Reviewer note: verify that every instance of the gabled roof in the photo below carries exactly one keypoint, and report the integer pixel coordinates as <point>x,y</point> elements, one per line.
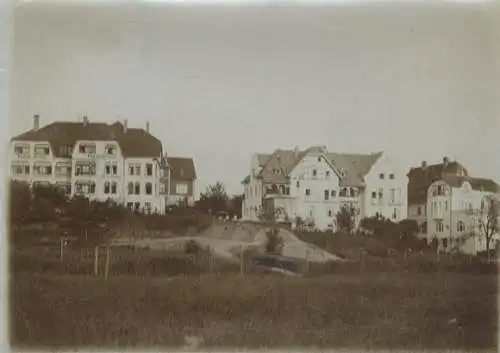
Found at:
<point>353,166</point>
<point>182,168</point>
<point>420,178</point>
<point>478,184</point>
<point>133,143</point>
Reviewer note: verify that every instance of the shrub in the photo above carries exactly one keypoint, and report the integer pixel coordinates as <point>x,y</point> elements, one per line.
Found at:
<point>274,242</point>
<point>192,247</point>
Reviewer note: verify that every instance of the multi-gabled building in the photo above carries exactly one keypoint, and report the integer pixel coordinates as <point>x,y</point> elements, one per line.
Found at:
<point>313,185</point>
<point>181,181</point>
<point>456,210</point>
<point>419,181</point>
<point>101,161</point>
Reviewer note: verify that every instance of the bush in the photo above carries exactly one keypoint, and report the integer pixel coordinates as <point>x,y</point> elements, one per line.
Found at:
<point>274,242</point>
<point>193,248</point>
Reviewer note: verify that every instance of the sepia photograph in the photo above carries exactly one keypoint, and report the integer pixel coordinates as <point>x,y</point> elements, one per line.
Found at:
<point>253,176</point>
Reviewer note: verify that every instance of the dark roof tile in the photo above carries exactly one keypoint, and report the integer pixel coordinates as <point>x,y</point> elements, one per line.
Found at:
<point>182,168</point>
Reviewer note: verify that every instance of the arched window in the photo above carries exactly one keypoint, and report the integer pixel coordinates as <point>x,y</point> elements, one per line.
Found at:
<point>460,226</point>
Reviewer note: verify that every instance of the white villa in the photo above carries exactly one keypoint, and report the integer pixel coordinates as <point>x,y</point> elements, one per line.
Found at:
<point>313,185</point>
<point>456,208</point>
<point>94,159</point>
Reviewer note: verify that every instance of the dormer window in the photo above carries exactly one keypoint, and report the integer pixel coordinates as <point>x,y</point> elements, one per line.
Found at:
<point>110,150</point>
<point>87,148</point>
<point>42,150</point>
<point>391,176</point>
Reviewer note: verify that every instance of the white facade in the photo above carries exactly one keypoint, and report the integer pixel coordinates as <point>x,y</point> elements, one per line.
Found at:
<point>454,217</point>
<point>385,191</point>
<point>254,192</point>
<point>95,169</point>
<point>315,186</point>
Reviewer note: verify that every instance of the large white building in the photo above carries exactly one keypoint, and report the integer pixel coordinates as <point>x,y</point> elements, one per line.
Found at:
<point>97,160</point>
<point>456,208</point>
<point>314,184</point>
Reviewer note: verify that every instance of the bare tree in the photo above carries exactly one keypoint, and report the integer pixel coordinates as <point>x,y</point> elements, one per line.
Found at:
<point>488,219</point>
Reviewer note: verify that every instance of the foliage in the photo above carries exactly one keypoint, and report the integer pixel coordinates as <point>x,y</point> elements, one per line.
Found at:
<point>274,242</point>
<point>345,219</point>
<point>214,199</point>
<point>192,247</point>
<point>272,214</point>
<point>488,220</point>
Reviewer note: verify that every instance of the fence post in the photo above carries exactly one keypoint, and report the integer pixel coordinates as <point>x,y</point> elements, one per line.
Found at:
<point>106,268</point>
<point>96,260</point>
<point>61,245</point>
<point>241,260</point>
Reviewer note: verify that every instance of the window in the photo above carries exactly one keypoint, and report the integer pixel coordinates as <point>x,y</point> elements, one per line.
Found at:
<point>149,188</point>
<point>381,176</point>
<point>419,210</point>
<point>42,169</point>
<point>66,151</point>
<point>137,170</point>
<point>85,169</point>
<point>63,170</point>
<point>460,226</point>
<point>137,188</point>
<point>82,187</point>
<point>113,187</point>
<point>107,169</point>
<point>66,187</point>
<point>181,189</point>
<point>106,187</point>
<point>380,194</point>
<point>110,150</point>
<point>130,170</point>
<point>392,196</point>
<point>352,192</point>
<point>319,159</point>
<point>149,169</point>
<point>445,243</point>
<point>20,169</point>
<point>147,207</point>
<point>298,184</point>
<point>344,192</point>
<point>137,206</point>
<point>87,148</point>
<point>333,193</point>
<point>42,151</point>
<point>327,174</point>
<point>327,195</point>
<point>22,151</point>
<point>134,169</point>
<point>395,214</point>
<point>308,192</point>
<point>439,227</point>
<point>330,213</point>
<point>391,176</point>
<point>114,169</point>
<point>130,205</point>
<point>130,188</point>
<point>315,173</point>
<point>374,194</point>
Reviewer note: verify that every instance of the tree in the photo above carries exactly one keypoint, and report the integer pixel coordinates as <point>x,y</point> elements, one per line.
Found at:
<point>274,242</point>
<point>345,219</point>
<point>272,214</point>
<point>488,219</point>
<point>214,198</point>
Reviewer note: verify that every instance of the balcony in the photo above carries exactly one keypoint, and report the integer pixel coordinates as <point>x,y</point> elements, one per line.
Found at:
<point>278,190</point>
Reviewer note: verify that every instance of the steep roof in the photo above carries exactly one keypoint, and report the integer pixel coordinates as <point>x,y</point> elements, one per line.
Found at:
<point>420,178</point>
<point>182,168</point>
<point>262,158</point>
<point>133,143</point>
<point>354,166</point>
<point>479,184</point>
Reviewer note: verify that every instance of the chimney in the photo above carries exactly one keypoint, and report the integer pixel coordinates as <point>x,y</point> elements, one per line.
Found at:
<point>147,126</point>
<point>445,162</point>
<point>424,164</point>
<point>125,123</point>
<point>36,122</point>
<point>296,152</point>
<point>85,120</point>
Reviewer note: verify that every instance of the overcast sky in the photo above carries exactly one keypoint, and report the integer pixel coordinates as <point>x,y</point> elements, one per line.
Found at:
<point>219,83</point>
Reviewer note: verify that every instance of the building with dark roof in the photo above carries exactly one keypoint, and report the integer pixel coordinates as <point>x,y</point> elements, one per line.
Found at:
<point>457,206</point>
<point>182,181</point>
<point>99,160</point>
<point>314,183</point>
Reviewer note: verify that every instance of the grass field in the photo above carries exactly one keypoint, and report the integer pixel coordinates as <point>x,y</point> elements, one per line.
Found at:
<point>390,310</point>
